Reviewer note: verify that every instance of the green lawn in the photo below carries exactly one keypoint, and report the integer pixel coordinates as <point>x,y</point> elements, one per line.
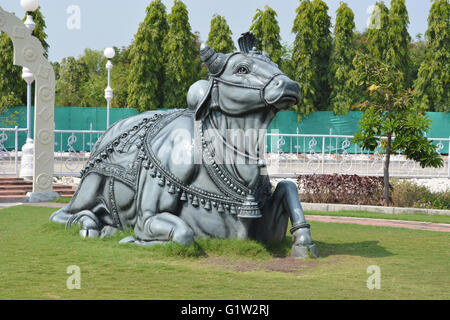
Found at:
<point>376,215</point>
<point>35,254</point>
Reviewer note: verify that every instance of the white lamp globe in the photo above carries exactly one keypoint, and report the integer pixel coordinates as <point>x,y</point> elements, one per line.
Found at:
<point>109,53</point>
<point>29,5</point>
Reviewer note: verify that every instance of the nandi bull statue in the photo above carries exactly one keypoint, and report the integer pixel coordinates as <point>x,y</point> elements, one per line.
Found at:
<point>181,174</point>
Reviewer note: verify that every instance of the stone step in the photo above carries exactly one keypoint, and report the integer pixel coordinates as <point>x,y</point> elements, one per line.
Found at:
<point>12,199</point>
<point>16,182</point>
<point>15,189</point>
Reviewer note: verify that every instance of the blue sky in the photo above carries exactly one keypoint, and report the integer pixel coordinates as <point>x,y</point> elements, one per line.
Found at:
<point>106,23</point>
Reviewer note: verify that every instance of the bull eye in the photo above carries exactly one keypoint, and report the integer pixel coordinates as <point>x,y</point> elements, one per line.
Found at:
<point>243,70</point>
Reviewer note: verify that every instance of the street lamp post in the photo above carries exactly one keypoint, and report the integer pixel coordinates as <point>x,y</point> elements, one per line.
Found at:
<point>26,166</point>
<point>109,54</point>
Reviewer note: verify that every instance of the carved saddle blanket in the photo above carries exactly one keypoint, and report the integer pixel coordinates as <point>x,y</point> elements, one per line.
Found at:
<point>124,156</point>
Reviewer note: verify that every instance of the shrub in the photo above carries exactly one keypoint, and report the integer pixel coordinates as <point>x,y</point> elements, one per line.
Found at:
<point>409,194</point>
<point>344,189</point>
<point>406,193</point>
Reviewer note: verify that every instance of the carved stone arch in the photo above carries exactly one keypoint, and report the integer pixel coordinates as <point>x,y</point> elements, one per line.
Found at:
<point>29,53</point>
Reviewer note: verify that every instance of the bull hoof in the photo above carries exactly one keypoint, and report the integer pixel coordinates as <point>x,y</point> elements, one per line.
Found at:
<point>127,240</point>
<point>302,252</point>
<point>108,231</point>
<point>299,252</point>
<point>132,240</point>
<point>149,243</point>
<point>303,244</point>
<point>89,233</point>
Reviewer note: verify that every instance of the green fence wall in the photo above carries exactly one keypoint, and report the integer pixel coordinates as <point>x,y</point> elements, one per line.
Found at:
<point>326,122</point>
<point>320,123</point>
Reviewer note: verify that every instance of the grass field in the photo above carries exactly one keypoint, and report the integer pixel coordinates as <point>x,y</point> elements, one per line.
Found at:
<point>35,255</point>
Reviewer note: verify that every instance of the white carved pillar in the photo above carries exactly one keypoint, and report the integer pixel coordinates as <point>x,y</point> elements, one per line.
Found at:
<point>29,53</point>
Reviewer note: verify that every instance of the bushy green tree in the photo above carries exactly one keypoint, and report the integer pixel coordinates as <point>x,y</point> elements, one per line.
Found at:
<point>266,29</point>
<point>389,112</point>
<point>311,54</point>
<point>432,84</point>
<point>219,37</point>
<point>343,93</point>
<point>399,40</point>
<point>146,74</point>
<point>180,52</point>
<point>82,81</point>
<point>73,75</point>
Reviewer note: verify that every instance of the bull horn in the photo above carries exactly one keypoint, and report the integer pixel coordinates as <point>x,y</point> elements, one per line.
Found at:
<point>214,61</point>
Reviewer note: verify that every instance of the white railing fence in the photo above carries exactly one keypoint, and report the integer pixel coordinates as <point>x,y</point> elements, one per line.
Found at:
<point>287,155</point>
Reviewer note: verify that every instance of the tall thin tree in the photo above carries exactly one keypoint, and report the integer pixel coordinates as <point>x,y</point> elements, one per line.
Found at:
<point>146,74</point>
<point>432,84</point>
<point>399,40</point>
<point>311,54</point>
<point>180,56</point>
<point>343,93</point>
<point>378,32</point>
<point>266,29</point>
<point>219,37</point>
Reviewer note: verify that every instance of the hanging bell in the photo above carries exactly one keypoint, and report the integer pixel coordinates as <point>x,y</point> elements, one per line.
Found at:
<point>162,182</point>
<point>250,209</point>
<point>171,189</point>
<point>183,196</point>
<point>208,205</point>
<point>220,208</point>
<point>195,201</point>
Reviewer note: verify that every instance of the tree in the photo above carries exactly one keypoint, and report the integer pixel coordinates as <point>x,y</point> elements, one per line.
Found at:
<point>266,29</point>
<point>73,74</point>
<point>39,30</point>
<point>92,89</point>
<point>389,112</point>
<point>417,52</point>
<point>311,55</point>
<point>286,63</point>
<point>432,84</point>
<point>378,32</point>
<point>180,53</point>
<point>146,74</point>
<point>12,87</point>
<point>219,37</point>
<point>343,93</point>
<point>399,39</point>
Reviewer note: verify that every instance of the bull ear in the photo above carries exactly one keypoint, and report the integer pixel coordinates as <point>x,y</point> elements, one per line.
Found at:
<point>199,98</point>
<point>215,62</point>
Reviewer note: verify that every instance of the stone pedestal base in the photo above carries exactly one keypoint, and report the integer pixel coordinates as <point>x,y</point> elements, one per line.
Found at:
<point>26,164</point>
<point>42,196</point>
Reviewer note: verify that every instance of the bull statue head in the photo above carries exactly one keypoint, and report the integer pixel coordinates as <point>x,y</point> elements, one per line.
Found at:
<point>242,82</point>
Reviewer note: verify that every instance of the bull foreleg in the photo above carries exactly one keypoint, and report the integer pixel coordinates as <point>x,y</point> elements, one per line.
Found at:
<point>283,205</point>
<point>161,228</point>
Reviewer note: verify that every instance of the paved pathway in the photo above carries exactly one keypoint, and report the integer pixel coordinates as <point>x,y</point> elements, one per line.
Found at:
<point>442,227</point>
<point>383,223</point>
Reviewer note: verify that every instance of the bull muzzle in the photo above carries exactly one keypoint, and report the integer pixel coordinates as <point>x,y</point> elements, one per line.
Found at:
<point>282,92</point>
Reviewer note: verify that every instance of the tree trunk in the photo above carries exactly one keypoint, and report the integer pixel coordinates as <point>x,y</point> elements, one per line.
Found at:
<point>387,195</point>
